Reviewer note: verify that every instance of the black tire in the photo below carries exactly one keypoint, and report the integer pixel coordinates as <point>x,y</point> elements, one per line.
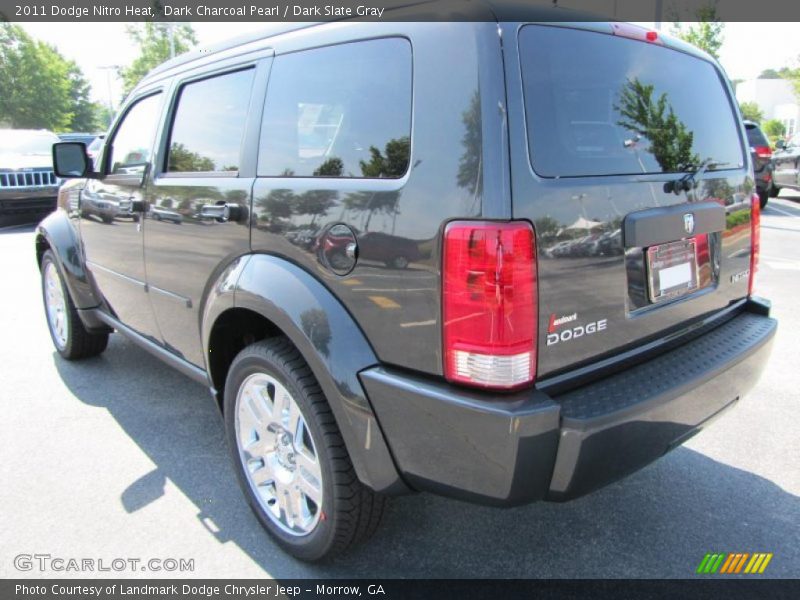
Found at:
<point>79,342</point>
<point>351,512</point>
<point>774,191</point>
<point>763,198</point>
<point>398,262</point>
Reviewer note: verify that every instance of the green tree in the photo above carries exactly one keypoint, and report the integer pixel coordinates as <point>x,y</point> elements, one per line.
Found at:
<point>393,162</point>
<point>181,159</point>
<point>155,46</point>
<point>769,74</point>
<point>39,88</point>
<point>317,203</point>
<point>751,111</point>
<point>774,130</point>
<point>469,167</point>
<point>102,116</point>
<point>546,227</point>
<point>706,33</point>
<point>670,140</point>
<point>84,116</point>
<point>793,75</point>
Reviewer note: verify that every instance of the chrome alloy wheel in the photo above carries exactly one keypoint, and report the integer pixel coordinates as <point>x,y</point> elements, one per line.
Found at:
<point>278,454</point>
<point>56,305</point>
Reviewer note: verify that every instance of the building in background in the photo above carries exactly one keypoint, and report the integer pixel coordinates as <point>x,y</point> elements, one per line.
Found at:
<point>775,98</point>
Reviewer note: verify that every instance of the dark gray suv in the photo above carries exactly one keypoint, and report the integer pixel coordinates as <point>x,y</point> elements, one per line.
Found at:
<point>364,269</point>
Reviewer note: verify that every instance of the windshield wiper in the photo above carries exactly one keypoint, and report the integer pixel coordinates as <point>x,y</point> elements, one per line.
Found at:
<point>689,180</point>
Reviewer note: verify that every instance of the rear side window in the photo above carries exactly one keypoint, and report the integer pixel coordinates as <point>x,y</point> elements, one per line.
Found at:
<point>209,124</point>
<point>340,111</point>
<point>754,136</point>
<point>598,104</point>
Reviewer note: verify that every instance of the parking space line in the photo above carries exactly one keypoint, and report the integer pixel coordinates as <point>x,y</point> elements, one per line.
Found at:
<point>418,323</point>
<point>384,302</point>
<point>776,209</point>
<point>395,290</point>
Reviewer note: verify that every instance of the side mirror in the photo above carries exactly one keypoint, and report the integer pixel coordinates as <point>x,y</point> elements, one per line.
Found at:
<point>780,145</point>
<point>70,160</point>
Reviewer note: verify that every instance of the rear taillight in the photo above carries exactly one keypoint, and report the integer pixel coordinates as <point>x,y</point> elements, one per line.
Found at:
<point>763,151</point>
<point>489,304</point>
<point>755,240</point>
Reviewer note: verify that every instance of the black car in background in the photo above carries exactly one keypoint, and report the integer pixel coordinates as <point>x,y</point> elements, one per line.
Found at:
<point>85,138</point>
<point>761,155</point>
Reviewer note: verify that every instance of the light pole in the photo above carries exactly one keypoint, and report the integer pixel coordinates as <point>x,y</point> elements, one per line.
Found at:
<point>108,69</point>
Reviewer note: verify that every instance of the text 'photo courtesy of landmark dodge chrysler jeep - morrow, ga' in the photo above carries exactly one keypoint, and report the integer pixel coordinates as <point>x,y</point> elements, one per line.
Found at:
<point>513,272</point>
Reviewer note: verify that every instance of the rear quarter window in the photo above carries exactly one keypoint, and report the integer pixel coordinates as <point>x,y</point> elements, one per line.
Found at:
<point>209,123</point>
<point>598,104</point>
<point>755,137</point>
<point>339,111</point>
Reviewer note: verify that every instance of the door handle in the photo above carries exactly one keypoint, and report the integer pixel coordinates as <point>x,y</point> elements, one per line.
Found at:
<point>221,211</point>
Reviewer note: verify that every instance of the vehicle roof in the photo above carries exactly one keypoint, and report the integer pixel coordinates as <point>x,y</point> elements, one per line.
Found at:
<point>500,10</point>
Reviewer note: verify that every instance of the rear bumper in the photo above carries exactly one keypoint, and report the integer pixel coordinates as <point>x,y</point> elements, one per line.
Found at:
<point>529,446</point>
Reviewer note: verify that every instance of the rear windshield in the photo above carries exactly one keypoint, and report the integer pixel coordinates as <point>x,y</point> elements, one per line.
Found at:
<point>598,104</point>
<point>754,135</point>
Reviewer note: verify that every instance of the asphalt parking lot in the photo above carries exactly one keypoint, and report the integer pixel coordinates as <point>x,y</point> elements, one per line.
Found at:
<point>121,457</point>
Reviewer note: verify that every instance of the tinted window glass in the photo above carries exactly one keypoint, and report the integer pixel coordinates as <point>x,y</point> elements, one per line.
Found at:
<point>599,104</point>
<point>133,141</point>
<point>755,137</point>
<point>342,111</point>
<point>209,124</point>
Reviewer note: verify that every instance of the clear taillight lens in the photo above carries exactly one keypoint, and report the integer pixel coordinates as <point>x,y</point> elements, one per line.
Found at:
<point>489,304</point>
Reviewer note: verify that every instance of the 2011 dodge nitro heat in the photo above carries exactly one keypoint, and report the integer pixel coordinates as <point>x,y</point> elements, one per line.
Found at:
<point>504,261</point>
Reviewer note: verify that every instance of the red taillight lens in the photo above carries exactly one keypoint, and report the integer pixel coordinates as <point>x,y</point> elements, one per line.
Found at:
<point>763,151</point>
<point>755,241</point>
<point>489,304</point>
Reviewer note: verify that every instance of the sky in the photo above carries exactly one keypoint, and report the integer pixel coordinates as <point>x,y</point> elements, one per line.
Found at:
<point>749,48</point>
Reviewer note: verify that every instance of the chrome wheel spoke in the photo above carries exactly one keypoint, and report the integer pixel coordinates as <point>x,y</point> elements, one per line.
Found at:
<point>310,485</point>
<point>56,306</point>
<point>307,463</point>
<point>299,507</point>
<point>282,405</point>
<point>278,454</point>
<point>258,447</point>
<point>262,475</point>
<point>294,420</point>
<point>283,497</point>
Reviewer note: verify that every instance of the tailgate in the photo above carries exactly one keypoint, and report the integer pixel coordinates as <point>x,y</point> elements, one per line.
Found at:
<point>628,157</point>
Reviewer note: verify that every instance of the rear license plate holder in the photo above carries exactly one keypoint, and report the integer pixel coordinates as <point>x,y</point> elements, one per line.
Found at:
<point>672,270</point>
